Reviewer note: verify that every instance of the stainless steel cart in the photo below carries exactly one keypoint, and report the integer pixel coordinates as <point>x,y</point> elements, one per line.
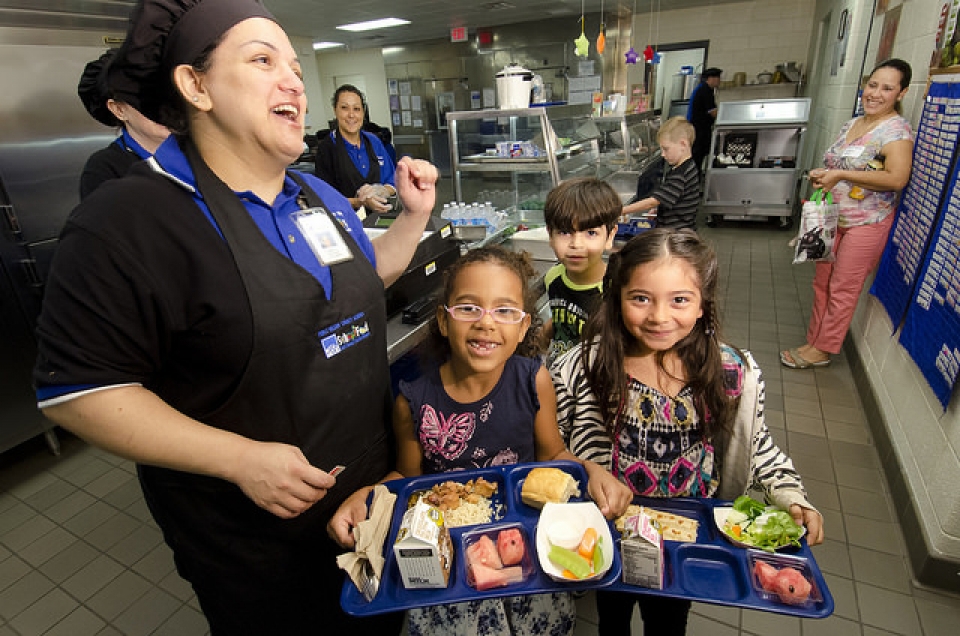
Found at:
<point>753,168</point>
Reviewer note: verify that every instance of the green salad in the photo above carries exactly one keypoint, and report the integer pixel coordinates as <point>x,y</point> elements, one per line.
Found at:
<point>761,526</point>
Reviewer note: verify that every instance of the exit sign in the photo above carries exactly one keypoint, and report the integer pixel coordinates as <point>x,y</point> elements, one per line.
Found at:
<point>458,34</point>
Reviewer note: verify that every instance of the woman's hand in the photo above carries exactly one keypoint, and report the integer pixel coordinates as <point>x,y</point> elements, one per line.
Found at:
<point>824,178</point>
<point>416,184</point>
<point>374,197</point>
<point>351,512</point>
<point>610,494</point>
<point>278,478</point>
<point>135,423</point>
<point>812,520</point>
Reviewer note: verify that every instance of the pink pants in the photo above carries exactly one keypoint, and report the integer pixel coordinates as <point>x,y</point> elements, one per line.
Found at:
<point>837,285</point>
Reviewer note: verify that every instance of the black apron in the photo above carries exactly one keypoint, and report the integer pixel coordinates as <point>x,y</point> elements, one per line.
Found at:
<point>349,178</point>
<point>334,406</point>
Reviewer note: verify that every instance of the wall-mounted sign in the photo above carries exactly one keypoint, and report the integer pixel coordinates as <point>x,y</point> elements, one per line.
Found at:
<point>484,38</point>
<point>458,34</point>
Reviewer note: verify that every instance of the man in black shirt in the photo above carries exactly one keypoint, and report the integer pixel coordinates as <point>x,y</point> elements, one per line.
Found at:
<point>702,112</point>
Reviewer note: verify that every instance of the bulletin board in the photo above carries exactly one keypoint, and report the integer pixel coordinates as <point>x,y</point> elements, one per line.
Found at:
<point>931,328</point>
<point>933,152</point>
<point>918,280</point>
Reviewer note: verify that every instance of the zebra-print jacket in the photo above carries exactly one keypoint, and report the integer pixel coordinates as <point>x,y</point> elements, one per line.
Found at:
<point>748,458</point>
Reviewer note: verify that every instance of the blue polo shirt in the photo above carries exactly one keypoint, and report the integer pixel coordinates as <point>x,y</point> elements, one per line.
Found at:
<point>274,221</point>
<point>358,155</point>
<point>125,141</point>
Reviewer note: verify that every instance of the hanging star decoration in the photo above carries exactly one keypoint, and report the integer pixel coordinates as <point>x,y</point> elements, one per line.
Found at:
<point>648,53</point>
<point>632,55</point>
<point>582,44</point>
<point>602,38</point>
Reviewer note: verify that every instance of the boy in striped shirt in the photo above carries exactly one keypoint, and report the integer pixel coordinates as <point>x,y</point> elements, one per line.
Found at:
<point>677,197</point>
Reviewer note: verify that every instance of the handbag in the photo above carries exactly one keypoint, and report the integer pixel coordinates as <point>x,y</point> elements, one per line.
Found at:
<point>818,229</point>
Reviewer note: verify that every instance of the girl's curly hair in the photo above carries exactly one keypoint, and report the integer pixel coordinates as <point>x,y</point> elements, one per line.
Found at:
<point>436,348</point>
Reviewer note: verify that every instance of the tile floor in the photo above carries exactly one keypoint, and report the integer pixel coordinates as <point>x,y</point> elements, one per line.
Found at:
<point>79,554</point>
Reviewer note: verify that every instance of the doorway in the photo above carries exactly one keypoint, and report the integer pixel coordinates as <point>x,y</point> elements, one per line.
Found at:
<point>671,85</point>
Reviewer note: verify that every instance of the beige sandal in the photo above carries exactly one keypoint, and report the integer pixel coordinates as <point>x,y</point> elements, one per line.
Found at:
<point>797,361</point>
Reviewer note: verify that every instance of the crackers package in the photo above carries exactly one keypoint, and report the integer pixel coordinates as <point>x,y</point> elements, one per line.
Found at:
<point>673,527</point>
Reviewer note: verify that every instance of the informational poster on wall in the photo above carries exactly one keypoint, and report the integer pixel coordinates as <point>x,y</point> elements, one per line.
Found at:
<point>933,151</point>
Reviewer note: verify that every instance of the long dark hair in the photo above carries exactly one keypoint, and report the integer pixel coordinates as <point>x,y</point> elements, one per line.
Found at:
<point>437,347</point>
<point>906,75</point>
<point>606,339</point>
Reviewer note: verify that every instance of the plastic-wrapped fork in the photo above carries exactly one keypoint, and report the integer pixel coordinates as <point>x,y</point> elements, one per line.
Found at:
<point>369,583</point>
<point>364,564</point>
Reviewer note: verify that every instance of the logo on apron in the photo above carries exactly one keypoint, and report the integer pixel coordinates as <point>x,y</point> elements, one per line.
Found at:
<point>344,334</point>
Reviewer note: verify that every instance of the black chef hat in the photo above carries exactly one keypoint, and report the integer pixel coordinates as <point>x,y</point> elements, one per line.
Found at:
<point>713,71</point>
<point>94,90</point>
<point>166,33</point>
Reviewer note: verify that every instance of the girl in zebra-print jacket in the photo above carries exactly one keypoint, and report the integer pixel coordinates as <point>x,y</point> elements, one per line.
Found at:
<point>653,395</point>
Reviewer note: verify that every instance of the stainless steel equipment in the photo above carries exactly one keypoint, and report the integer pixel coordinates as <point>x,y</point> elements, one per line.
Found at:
<point>45,139</point>
<point>752,171</point>
<point>683,86</point>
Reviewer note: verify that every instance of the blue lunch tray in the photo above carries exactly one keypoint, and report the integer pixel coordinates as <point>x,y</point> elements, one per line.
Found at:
<point>393,596</point>
<point>714,570</point>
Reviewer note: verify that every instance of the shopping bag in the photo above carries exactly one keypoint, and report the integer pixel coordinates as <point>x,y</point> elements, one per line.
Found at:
<point>818,229</point>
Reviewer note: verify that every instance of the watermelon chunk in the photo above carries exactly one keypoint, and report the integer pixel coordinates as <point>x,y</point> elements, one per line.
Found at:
<point>486,578</point>
<point>766,574</point>
<point>510,546</point>
<point>792,587</point>
<point>484,552</point>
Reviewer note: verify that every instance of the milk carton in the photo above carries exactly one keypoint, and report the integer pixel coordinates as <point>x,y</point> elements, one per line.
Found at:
<point>423,549</point>
<point>641,550</point>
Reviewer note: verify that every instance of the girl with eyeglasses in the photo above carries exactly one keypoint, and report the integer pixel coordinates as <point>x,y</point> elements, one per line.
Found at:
<point>490,402</point>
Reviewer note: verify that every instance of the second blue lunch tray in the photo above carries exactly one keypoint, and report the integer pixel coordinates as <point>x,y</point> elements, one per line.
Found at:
<point>393,596</point>
<point>714,570</point>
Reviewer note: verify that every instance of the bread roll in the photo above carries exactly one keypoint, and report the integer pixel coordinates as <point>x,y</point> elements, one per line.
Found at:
<point>544,485</point>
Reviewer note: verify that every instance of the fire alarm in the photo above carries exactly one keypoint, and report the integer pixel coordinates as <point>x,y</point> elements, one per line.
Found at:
<point>484,37</point>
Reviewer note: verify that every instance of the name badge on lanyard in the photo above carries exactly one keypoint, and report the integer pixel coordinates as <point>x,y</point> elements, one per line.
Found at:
<point>321,234</point>
<point>853,152</point>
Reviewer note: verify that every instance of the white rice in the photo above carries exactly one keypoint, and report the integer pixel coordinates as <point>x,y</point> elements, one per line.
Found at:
<point>469,514</point>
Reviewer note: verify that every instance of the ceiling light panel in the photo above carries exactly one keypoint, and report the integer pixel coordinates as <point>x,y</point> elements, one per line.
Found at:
<point>370,25</point>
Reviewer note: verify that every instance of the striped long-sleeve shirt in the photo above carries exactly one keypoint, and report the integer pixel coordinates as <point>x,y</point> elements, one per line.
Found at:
<point>679,196</point>
<point>748,460</point>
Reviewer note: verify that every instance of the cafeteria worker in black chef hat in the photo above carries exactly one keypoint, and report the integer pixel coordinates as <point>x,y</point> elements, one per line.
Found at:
<point>211,338</point>
<point>139,136</point>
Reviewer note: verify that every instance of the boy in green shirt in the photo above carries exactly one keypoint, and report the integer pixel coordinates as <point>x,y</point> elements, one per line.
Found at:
<point>581,216</point>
